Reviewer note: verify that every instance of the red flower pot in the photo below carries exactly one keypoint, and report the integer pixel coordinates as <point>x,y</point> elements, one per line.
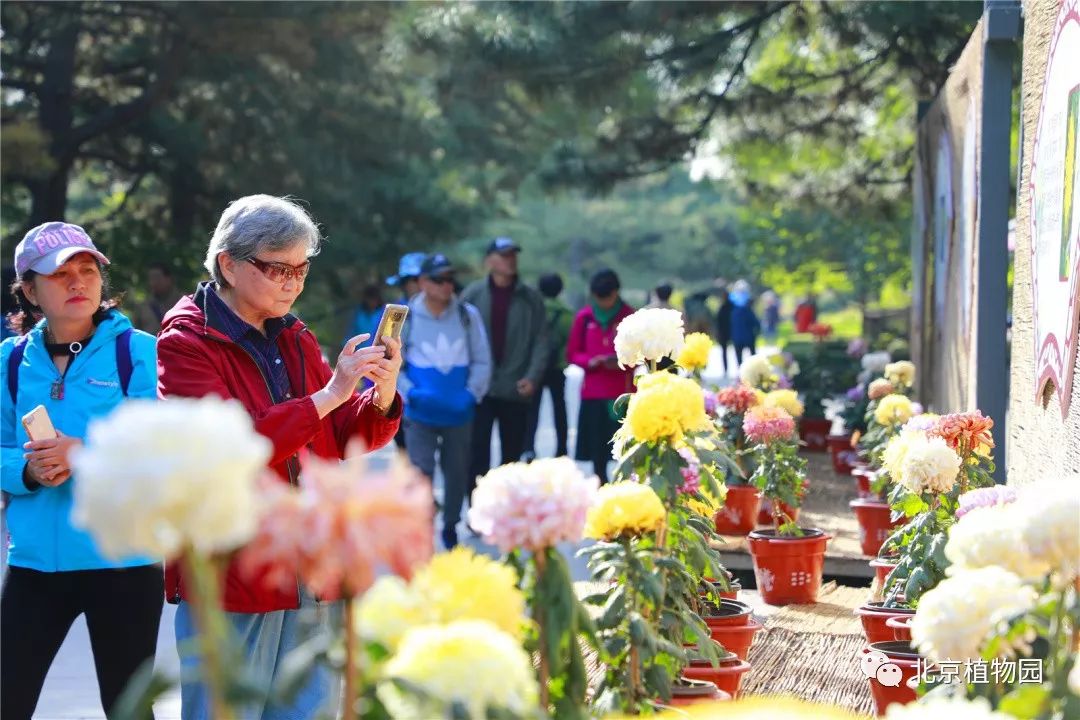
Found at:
<point>882,567</point>
<point>815,433</point>
<point>875,524</point>
<point>788,569</point>
<point>765,514</point>
<point>863,476</point>
<point>740,510</point>
<point>885,686</point>
<point>874,618</point>
<point>732,593</point>
<point>736,639</point>
<point>842,454</point>
<point>730,613</point>
<point>696,691</point>
<point>727,676</point>
<point>901,627</point>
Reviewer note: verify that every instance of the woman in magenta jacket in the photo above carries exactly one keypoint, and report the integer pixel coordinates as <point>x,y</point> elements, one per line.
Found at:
<point>591,346</point>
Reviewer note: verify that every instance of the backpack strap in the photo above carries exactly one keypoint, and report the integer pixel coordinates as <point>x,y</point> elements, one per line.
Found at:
<point>123,360</point>
<point>14,360</point>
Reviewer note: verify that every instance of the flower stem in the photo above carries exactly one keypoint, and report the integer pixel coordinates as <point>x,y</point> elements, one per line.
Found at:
<point>352,673</point>
<point>211,626</point>
<point>635,657</point>
<point>540,558</point>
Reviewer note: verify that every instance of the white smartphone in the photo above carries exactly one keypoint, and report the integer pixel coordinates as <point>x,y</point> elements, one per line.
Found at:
<point>38,425</point>
<point>391,324</point>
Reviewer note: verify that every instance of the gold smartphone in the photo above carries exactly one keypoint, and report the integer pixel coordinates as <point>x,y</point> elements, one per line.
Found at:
<point>37,424</point>
<point>391,324</point>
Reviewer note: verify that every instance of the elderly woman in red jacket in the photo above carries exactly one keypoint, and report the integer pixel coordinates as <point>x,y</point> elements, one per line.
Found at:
<point>235,338</point>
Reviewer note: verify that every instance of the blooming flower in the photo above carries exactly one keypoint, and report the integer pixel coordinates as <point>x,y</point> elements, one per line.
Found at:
<point>1048,511</point>
<point>952,707</point>
<point>707,505</point>
<point>388,610</point>
<point>929,465</point>
<point>695,351</point>
<point>711,402</point>
<point>965,432</point>
<point>738,398</point>
<point>985,497</point>
<point>820,330</point>
<point>989,537</point>
<point>786,399</point>
<point>339,527</point>
<point>855,394</point>
<point>896,451</point>
<point>856,348</point>
<point>665,407</point>
<point>901,373</point>
<point>463,585</point>
<point>624,508</point>
<point>879,388</point>
<point>756,371</point>
<point>764,424</point>
<point>956,618</point>
<point>532,506</point>
<point>874,363</point>
<point>893,410</point>
<point>649,335</point>
<point>470,662</point>
<point>156,476</point>
<point>923,422</point>
<point>691,473</point>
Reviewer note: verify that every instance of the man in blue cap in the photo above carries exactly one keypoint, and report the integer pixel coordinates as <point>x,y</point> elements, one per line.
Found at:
<point>516,324</point>
<point>408,275</point>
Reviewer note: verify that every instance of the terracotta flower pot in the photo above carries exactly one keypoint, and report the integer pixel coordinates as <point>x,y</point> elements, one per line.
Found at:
<point>901,627</point>
<point>903,660</point>
<point>740,510</point>
<point>732,593</point>
<point>788,569</point>
<point>875,523</point>
<point>815,433</point>
<point>727,676</point>
<point>862,476</point>
<point>882,567</point>
<point>842,454</point>
<point>765,514</point>
<point>730,613</point>
<point>874,617</point>
<point>736,639</point>
<point>693,692</point>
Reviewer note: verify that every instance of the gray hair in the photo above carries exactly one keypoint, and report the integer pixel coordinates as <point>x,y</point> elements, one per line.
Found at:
<point>258,223</point>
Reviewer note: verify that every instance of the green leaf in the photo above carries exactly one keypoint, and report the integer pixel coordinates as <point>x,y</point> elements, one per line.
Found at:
<point>1026,702</point>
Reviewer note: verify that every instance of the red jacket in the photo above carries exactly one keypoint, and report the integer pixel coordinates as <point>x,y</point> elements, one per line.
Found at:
<point>196,359</point>
<point>589,339</point>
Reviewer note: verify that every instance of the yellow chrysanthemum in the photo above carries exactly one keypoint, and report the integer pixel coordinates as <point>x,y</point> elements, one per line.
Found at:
<point>893,410</point>
<point>462,585</point>
<point>388,610</point>
<point>896,451</point>
<point>709,504</point>
<point>470,662</point>
<point>785,399</point>
<point>901,373</point>
<point>624,508</point>
<point>695,351</point>
<point>665,407</point>
<point>758,708</point>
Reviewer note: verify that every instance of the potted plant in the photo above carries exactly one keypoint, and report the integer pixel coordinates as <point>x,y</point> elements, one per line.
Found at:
<point>815,383</point>
<point>788,560</point>
<point>740,511</point>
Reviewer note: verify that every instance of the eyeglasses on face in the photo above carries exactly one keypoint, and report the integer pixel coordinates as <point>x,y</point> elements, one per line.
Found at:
<point>281,272</point>
<point>442,279</point>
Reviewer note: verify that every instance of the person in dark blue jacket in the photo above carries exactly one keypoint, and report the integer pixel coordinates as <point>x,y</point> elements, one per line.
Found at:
<point>78,356</point>
<point>745,325</point>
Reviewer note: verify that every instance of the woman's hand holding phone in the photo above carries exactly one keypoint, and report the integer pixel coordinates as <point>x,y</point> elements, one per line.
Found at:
<point>47,461</point>
<point>378,363</point>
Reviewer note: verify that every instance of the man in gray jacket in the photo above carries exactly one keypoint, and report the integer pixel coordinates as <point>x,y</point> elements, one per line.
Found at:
<point>446,374</point>
<point>516,326</point>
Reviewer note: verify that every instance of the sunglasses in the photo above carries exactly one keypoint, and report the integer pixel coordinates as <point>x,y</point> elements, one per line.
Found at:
<point>442,279</point>
<point>281,272</point>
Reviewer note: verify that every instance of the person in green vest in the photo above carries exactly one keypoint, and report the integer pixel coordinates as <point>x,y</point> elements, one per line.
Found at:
<point>559,319</point>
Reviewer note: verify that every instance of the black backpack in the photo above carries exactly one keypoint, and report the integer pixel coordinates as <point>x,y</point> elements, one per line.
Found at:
<point>123,363</point>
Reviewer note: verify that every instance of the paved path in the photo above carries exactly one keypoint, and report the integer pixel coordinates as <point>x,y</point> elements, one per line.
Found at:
<point>71,688</point>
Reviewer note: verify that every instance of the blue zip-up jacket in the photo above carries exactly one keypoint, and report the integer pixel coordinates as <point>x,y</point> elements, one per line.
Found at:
<point>42,536</point>
<point>447,368</point>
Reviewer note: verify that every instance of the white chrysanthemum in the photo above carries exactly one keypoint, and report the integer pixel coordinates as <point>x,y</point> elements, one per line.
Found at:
<point>388,610</point>
<point>988,537</point>
<point>929,465</point>
<point>470,662</point>
<point>1074,679</point>
<point>896,451</point>
<point>956,618</point>
<point>946,706</point>
<point>756,370</point>
<point>649,335</point>
<point>901,372</point>
<point>155,476</point>
<point>874,363</point>
<point>1049,519</point>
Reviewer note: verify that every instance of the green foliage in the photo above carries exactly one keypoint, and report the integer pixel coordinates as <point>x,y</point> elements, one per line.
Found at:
<point>781,477</point>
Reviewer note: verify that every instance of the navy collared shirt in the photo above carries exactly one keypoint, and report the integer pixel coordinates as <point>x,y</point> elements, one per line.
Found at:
<point>262,348</point>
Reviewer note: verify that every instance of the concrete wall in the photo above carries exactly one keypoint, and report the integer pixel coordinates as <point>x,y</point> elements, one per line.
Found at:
<point>1041,442</point>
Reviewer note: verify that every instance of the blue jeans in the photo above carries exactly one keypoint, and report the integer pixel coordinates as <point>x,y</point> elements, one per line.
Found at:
<point>452,444</point>
<point>266,638</point>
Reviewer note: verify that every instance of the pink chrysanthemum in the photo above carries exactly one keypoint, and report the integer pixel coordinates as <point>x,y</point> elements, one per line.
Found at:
<point>737,398</point>
<point>711,403</point>
<point>764,424</point>
<point>339,528</point>
<point>532,506</point>
<point>985,497</point>
<point>691,474</point>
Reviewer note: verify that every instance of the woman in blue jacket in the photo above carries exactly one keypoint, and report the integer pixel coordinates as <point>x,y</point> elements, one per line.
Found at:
<point>79,357</point>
